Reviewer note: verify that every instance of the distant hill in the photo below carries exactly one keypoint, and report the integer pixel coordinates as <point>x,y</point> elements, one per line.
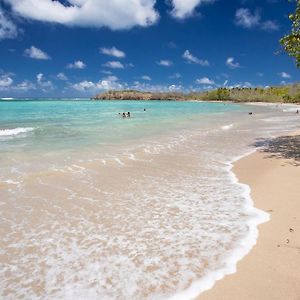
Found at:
<point>287,94</point>
<point>139,95</point>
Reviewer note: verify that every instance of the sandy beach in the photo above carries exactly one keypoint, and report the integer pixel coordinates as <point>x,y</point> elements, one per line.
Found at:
<point>272,269</point>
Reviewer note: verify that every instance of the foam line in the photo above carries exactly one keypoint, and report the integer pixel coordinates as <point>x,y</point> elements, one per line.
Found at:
<point>242,247</point>
<point>15,131</point>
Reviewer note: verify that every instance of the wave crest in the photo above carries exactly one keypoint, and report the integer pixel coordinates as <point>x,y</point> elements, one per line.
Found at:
<point>15,131</point>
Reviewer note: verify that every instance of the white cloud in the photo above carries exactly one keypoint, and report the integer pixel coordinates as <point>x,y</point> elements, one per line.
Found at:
<point>130,65</point>
<point>106,72</point>
<point>114,65</point>
<point>146,86</point>
<point>62,76</point>
<point>146,77</point>
<point>231,64</point>
<point>244,18</point>
<point>113,52</point>
<point>114,14</point>
<point>5,81</point>
<point>77,65</point>
<point>25,86</point>
<point>83,85</point>
<point>247,84</point>
<point>284,75</point>
<point>185,8</point>
<point>189,57</point>
<point>175,76</point>
<point>8,30</point>
<point>269,26</point>
<point>165,63</point>
<point>205,80</point>
<point>43,83</point>
<point>36,53</point>
<point>175,88</point>
<point>108,83</point>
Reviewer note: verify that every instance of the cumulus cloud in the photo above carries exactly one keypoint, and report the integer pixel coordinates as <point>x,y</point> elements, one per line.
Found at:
<point>25,86</point>
<point>108,83</point>
<point>5,81</point>
<point>83,85</point>
<point>245,18</point>
<point>62,76</point>
<point>190,58</point>
<point>205,80</point>
<point>36,53</point>
<point>40,83</point>
<point>146,86</point>
<point>284,75</point>
<point>77,65</point>
<point>114,14</point>
<point>185,8</point>
<point>113,52</point>
<point>165,63</point>
<point>231,63</point>
<point>114,65</point>
<point>43,83</point>
<point>175,88</point>
<point>8,30</point>
<point>146,77</point>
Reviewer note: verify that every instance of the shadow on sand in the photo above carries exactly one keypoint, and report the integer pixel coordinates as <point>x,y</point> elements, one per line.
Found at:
<point>287,147</point>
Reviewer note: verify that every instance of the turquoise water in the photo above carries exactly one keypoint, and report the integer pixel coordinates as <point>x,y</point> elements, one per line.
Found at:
<point>94,206</point>
<point>58,124</point>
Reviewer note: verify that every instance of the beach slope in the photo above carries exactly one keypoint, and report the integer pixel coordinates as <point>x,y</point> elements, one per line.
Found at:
<point>272,269</point>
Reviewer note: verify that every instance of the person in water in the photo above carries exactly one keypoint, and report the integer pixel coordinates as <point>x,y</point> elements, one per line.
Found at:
<point>124,115</point>
<point>128,114</point>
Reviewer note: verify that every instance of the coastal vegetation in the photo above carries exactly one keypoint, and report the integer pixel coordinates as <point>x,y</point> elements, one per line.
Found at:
<point>287,94</point>
<point>291,42</point>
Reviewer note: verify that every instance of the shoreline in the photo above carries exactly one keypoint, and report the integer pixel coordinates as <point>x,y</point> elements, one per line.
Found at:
<point>269,270</point>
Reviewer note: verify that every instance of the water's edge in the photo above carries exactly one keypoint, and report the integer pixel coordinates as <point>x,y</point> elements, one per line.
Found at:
<point>242,247</point>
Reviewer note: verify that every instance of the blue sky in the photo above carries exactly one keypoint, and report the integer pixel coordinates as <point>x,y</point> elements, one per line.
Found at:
<point>78,48</point>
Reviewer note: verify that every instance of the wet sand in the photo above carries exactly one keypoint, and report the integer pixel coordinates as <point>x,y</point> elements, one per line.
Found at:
<point>272,269</point>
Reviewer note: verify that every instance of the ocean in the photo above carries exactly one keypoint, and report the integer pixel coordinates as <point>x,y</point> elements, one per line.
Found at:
<point>97,206</point>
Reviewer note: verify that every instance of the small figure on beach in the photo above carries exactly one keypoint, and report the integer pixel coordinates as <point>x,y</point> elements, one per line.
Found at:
<point>124,115</point>
<point>297,112</point>
<point>128,114</point>
<point>250,113</point>
<point>144,109</point>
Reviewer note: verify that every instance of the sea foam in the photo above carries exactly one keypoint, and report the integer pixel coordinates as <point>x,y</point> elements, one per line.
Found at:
<point>157,216</point>
<point>227,127</point>
<point>15,131</point>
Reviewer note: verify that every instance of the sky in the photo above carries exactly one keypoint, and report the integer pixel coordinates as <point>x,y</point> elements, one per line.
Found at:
<point>78,48</point>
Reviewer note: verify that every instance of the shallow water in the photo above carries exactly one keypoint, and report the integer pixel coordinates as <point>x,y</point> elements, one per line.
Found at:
<point>94,206</point>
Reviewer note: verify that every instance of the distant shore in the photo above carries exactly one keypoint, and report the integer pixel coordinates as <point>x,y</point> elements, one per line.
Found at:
<point>279,94</point>
<point>271,271</point>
